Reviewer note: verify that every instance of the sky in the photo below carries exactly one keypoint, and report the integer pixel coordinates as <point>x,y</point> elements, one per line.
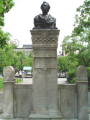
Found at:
<point>19,20</point>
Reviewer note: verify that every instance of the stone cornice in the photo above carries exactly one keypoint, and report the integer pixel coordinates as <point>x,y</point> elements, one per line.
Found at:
<point>44,38</point>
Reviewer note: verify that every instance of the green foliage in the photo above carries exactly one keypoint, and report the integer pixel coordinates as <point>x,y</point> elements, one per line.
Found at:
<point>4,38</point>
<point>62,64</point>
<point>88,72</point>
<point>31,54</point>
<point>77,45</point>
<point>1,83</point>
<point>19,80</point>
<point>8,57</point>
<point>72,66</point>
<point>71,75</point>
<point>14,44</point>
<point>5,6</point>
<point>27,61</point>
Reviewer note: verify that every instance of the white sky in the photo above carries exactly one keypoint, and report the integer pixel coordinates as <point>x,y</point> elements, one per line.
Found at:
<point>19,20</point>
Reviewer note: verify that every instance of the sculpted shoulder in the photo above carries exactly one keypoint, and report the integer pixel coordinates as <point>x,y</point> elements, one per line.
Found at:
<point>37,17</point>
<point>51,18</point>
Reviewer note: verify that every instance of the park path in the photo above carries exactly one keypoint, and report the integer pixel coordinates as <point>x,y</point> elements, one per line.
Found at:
<point>30,81</point>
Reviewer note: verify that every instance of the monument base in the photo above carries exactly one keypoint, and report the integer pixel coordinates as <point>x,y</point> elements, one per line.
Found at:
<point>45,116</point>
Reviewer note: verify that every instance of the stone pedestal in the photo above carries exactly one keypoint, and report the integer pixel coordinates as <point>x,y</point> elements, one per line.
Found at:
<point>45,94</point>
<point>9,76</point>
<point>82,93</point>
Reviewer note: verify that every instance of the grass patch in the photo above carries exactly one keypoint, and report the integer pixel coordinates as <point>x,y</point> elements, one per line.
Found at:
<point>1,83</point>
<point>19,80</point>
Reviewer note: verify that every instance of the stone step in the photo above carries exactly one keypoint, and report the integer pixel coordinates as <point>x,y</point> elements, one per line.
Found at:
<point>27,118</point>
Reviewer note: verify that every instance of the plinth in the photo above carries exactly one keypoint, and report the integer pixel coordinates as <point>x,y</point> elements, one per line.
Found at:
<point>45,89</point>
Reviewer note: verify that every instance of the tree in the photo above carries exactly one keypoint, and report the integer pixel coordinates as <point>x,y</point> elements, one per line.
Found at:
<point>4,38</point>
<point>79,41</point>
<point>14,43</point>
<point>31,54</point>
<point>9,57</point>
<point>77,45</point>
<point>28,61</point>
<point>62,64</point>
<point>5,6</point>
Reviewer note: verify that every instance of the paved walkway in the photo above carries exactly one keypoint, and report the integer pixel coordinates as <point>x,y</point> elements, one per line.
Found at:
<point>30,81</point>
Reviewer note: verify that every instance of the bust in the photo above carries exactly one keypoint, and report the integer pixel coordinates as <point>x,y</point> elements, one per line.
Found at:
<point>44,20</point>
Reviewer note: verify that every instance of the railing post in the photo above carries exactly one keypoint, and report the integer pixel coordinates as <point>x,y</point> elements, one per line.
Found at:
<point>9,76</point>
<point>82,93</point>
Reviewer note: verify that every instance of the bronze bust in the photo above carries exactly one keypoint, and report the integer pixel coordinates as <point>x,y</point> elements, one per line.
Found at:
<point>44,20</point>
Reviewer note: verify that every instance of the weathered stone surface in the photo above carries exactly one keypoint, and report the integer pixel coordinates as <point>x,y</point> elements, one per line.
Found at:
<point>9,74</point>
<point>45,116</point>
<point>44,39</point>
<point>82,74</point>
<point>1,101</point>
<point>82,89</point>
<point>67,101</point>
<point>23,108</point>
<point>45,53</point>
<point>44,95</point>
<point>22,100</point>
<point>45,89</point>
<point>89,102</point>
<point>8,101</point>
<point>45,63</point>
<point>8,93</point>
<point>15,119</point>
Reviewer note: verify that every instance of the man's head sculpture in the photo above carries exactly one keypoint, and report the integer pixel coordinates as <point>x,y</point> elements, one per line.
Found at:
<point>44,20</point>
<point>45,7</point>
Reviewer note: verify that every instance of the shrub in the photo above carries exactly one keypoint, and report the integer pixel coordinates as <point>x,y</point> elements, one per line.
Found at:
<point>88,73</point>
<point>71,75</point>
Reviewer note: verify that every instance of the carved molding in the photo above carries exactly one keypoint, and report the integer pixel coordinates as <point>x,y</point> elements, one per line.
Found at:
<point>45,38</point>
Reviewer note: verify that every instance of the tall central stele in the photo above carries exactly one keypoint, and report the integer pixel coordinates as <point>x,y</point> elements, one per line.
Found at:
<point>45,91</point>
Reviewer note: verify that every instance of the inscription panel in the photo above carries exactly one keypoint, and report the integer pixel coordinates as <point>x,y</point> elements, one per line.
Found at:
<point>45,63</point>
<point>45,90</point>
<point>45,53</point>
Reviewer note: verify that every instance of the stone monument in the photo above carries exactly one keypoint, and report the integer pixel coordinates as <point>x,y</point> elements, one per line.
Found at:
<point>45,89</point>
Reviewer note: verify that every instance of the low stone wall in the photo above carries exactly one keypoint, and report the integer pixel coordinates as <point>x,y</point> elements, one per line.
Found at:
<point>89,102</point>
<point>72,98</point>
<point>22,100</point>
<point>67,100</point>
<point>1,101</point>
